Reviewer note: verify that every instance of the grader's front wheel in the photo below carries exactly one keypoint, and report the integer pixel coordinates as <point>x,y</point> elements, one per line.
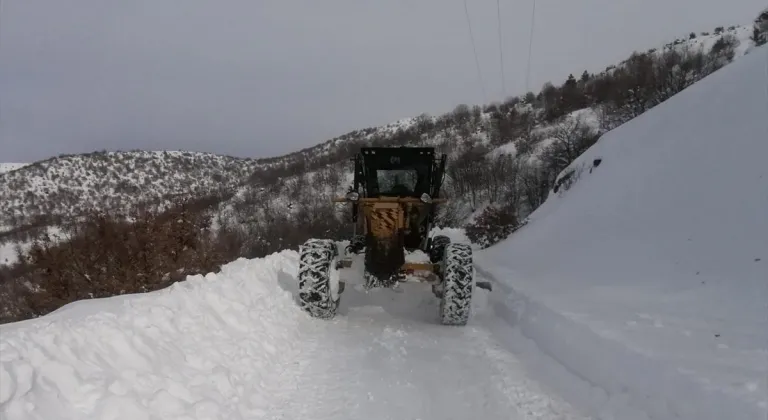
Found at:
<point>437,248</point>
<point>318,279</point>
<point>458,284</point>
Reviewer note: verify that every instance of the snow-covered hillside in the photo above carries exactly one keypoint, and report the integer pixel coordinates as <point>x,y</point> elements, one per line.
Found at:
<point>706,40</point>
<point>71,184</point>
<point>67,185</point>
<point>499,129</point>
<point>7,167</point>
<point>648,278</point>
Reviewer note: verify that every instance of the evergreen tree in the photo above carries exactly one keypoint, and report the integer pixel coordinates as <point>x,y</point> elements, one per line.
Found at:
<point>571,82</point>
<point>760,29</point>
<point>757,37</point>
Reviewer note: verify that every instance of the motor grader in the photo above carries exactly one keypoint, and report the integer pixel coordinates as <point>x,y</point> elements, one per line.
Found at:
<point>393,202</point>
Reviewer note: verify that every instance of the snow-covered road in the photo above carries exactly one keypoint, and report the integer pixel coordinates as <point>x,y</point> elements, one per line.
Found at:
<point>234,345</point>
<point>387,357</point>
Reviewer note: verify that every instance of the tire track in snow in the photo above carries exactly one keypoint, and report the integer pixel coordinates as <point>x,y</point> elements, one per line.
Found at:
<point>234,345</point>
<point>385,356</point>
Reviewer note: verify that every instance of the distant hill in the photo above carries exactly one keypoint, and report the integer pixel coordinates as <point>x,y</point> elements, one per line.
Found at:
<point>116,181</point>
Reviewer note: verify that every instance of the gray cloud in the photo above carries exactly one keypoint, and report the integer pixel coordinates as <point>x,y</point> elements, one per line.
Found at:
<point>262,77</point>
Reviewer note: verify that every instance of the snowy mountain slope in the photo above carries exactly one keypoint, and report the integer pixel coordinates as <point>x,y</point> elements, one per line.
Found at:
<point>8,167</point>
<point>466,128</point>
<point>702,42</point>
<point>234,345</point>
<point>649,276</point>
<point>116,181</point>
<point>706,40</point>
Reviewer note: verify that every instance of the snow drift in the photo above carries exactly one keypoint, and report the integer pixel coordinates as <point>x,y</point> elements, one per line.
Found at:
<point>187,350</point>
<point>648,277</point>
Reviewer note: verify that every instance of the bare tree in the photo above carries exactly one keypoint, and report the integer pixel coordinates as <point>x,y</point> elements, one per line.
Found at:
<point>534,186</point>
<point>467,174</point>
<point>760,28</point>
<point>570,139</point>
<point>502,173</point>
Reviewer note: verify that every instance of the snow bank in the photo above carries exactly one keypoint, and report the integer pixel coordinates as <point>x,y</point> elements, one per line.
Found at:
<point>207,348</point>
<point>649,277</point>
<point>454,234</point>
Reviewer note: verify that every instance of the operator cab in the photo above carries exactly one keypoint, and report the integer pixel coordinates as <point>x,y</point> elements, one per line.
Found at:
<point>402,172</point>
<point>395,172</point>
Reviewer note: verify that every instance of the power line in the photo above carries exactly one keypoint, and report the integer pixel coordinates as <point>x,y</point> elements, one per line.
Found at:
<point>474,50</point>
<point>530,49</point>
<point>501,52</point>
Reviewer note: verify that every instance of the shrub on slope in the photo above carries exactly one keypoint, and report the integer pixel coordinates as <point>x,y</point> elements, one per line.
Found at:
<point>760,28</point>
<point>106,256</point>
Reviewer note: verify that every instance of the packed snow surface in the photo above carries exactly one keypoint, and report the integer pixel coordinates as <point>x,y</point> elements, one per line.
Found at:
<point>649,277</point>
<point>234,345</point>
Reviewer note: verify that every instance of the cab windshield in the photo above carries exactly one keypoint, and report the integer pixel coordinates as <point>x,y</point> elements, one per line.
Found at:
<point>397,181</point>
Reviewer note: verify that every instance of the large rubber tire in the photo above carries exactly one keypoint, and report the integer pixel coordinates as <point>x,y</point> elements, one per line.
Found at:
<point>316,271</point>
<point>458,284</point>
<point>437,248</point>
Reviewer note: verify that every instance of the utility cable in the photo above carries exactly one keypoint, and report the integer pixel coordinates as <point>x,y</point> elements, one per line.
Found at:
<point>474,50</point>
<point>766,129</point>
<point>501,51</point>
<point>530,49</point>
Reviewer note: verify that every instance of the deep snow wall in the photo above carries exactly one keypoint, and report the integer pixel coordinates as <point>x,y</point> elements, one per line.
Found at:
<point>648,278</point>
<point>187,351</point>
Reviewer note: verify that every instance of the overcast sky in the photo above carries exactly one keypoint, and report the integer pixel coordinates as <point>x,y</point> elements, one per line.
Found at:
<point>265,77</point>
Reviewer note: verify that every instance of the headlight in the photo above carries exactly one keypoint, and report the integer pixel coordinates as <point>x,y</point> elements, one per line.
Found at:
<point>353,196</point>
<point>426,198</point>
